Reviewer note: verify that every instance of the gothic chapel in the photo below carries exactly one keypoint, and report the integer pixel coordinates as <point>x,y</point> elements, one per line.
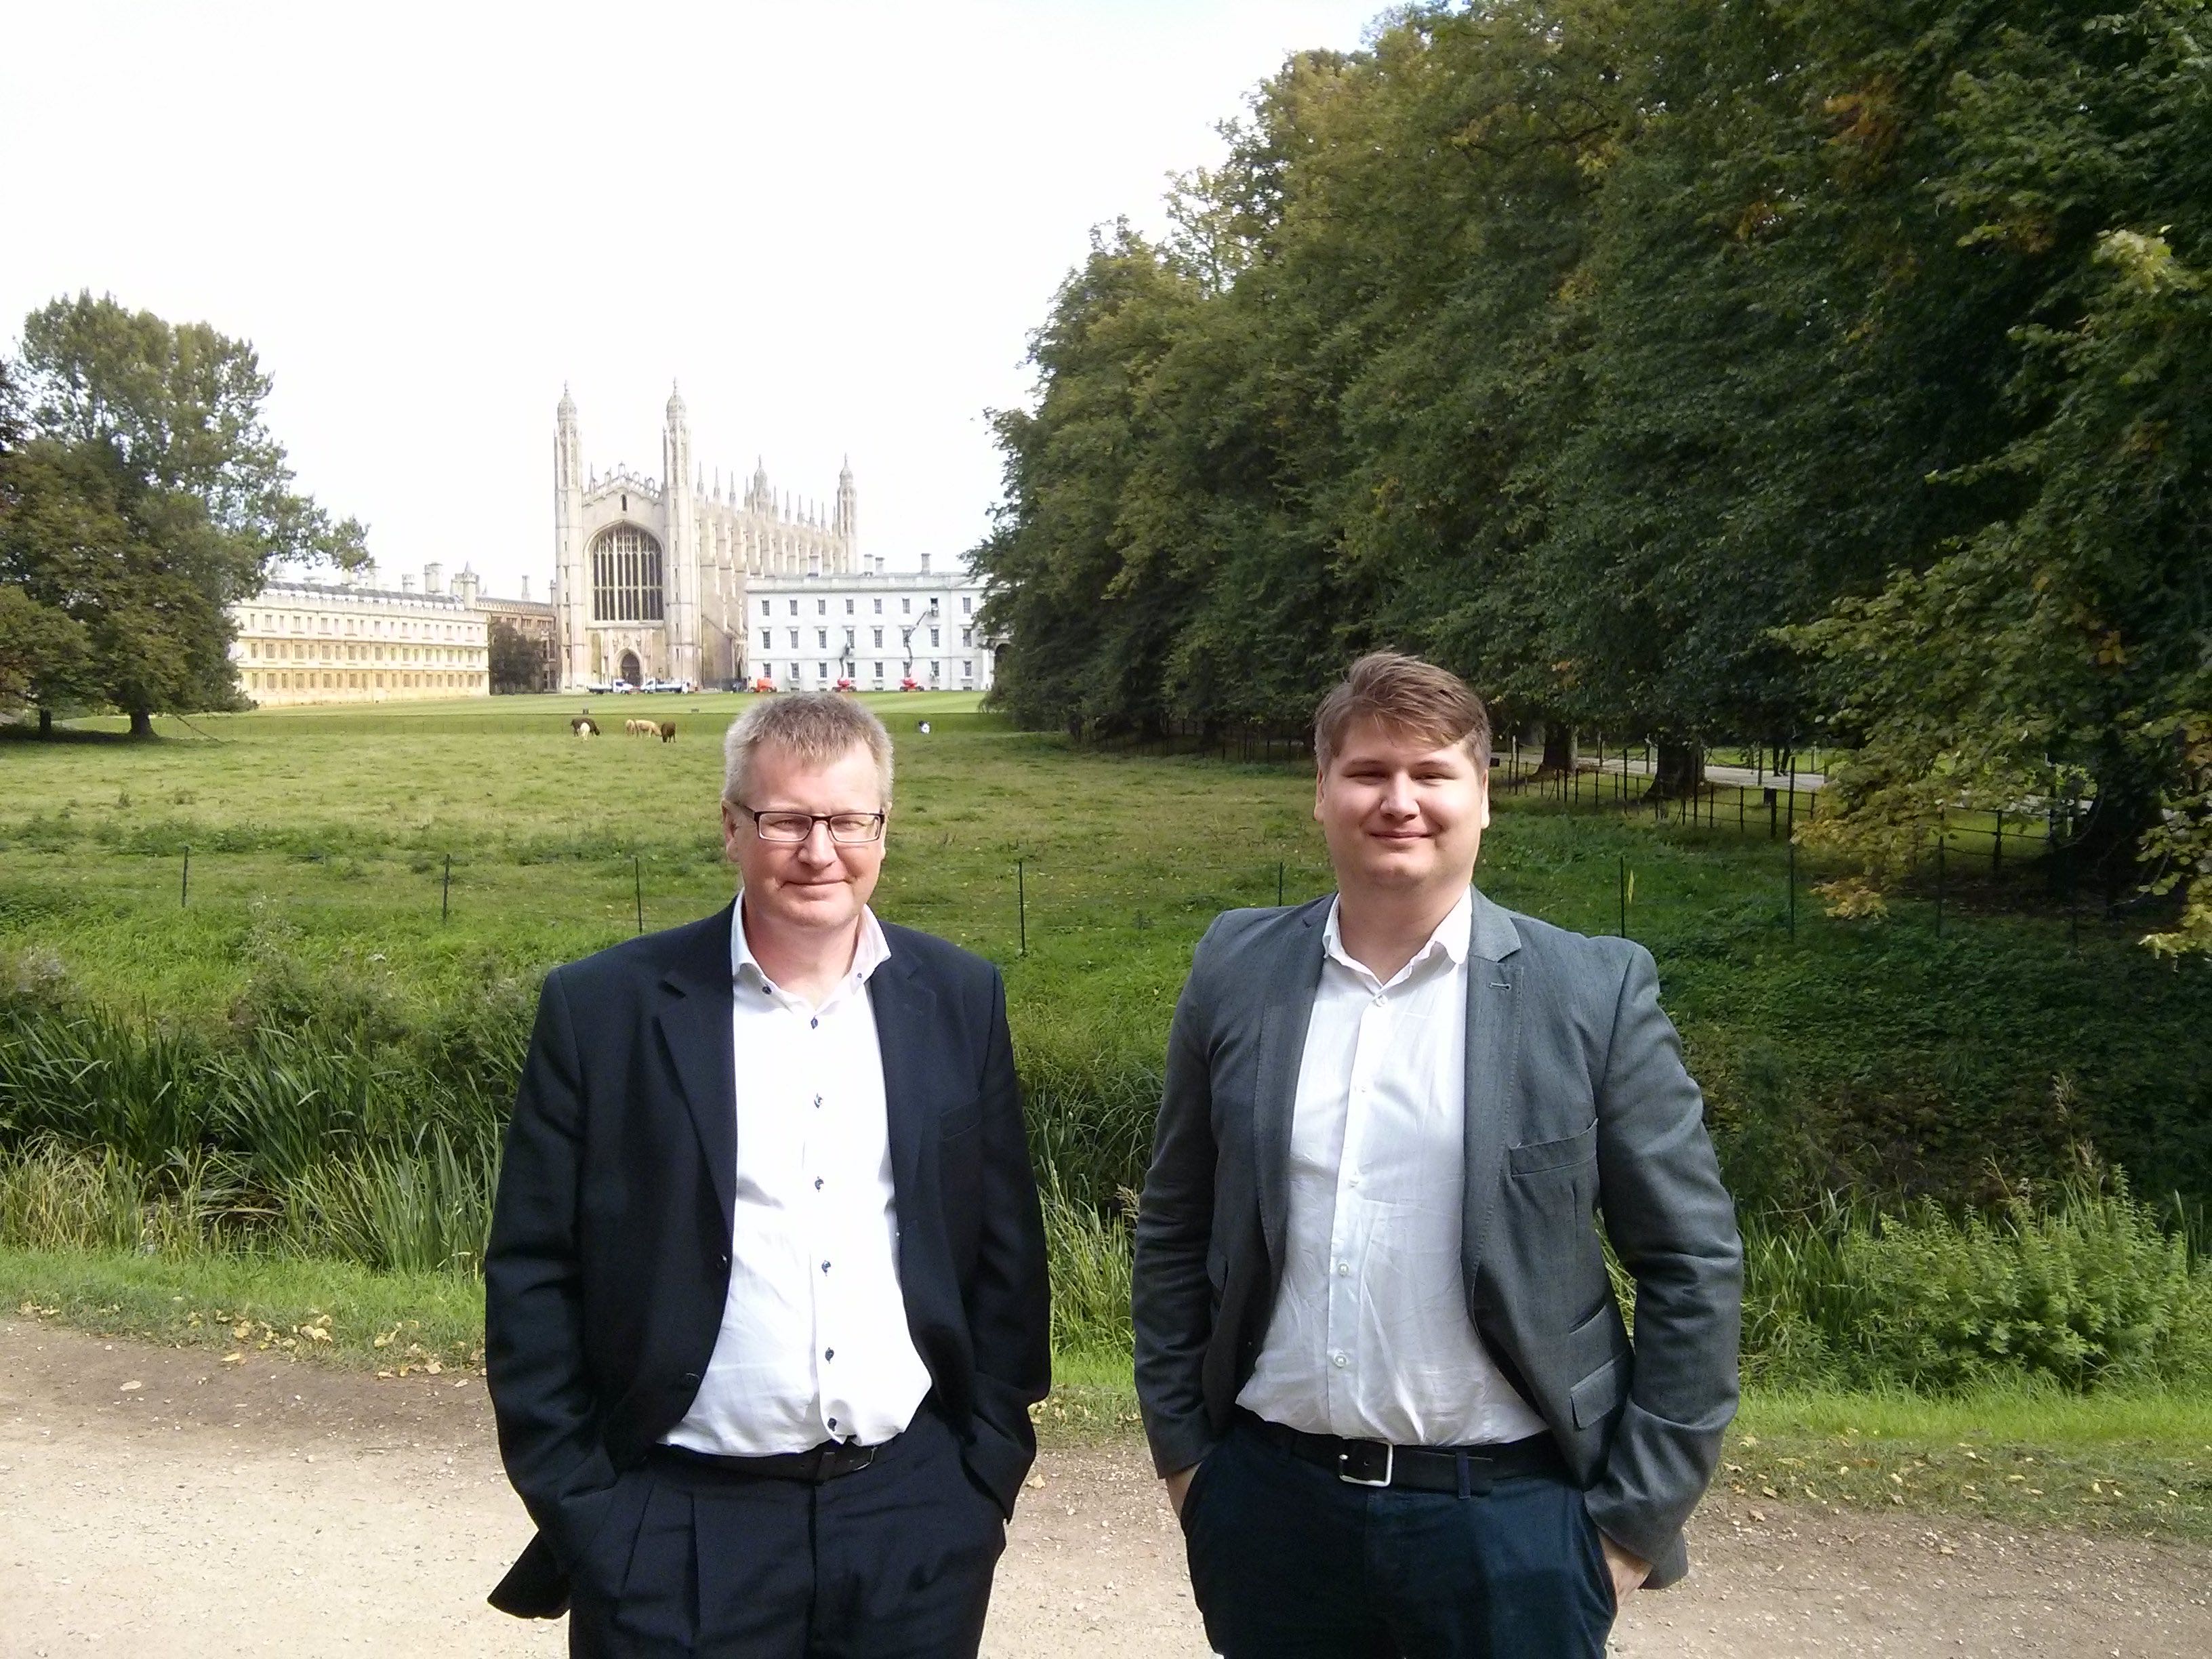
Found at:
<point>649,576</point>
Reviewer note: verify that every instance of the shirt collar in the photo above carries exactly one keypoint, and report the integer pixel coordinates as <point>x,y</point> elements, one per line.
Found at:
<point>1453,938</point>
<point>873,950</point>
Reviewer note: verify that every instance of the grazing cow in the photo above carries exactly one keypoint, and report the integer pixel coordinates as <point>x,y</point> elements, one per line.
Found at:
<point>668,731</point>
<point>584,726</point>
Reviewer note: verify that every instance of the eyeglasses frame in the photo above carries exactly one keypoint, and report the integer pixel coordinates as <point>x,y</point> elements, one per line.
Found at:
<point>882,818</point>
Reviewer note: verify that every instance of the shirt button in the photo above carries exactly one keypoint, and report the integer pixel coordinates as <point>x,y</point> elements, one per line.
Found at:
<point>1341,1361</point>
<point>818,1183</point>
<point>1344,1270</point>
<point>833,1422</point>
<point>828,1353</point>
<point>1353,1181</point>
<point>1378,999</point>
<point>825,1266</point>
<point>818,1102</point>
<point>812,1025</point>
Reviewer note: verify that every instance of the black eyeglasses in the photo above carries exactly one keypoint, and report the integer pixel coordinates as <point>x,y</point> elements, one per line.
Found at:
<point>847,829</point>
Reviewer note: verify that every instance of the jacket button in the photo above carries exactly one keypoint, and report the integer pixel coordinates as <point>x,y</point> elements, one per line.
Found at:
<point>726,1258</point>
<point>688,1380</point>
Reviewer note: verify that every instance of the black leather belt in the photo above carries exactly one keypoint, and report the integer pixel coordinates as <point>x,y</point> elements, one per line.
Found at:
<point>813,1466</point>
<point>1465,1470</point>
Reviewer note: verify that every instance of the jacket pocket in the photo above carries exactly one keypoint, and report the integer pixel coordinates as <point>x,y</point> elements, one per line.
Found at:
<point>959,1119</point>
<point>1537,1156</point>
<point>1595,1397</point>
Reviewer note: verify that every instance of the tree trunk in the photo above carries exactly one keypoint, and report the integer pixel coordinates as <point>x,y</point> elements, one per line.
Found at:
<point>141,723</point>
<point>45,721</point>
<point>1558,751</point>
<point>1680,773</point>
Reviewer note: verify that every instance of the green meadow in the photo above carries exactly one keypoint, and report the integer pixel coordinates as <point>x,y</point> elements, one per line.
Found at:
<point>264,982</point>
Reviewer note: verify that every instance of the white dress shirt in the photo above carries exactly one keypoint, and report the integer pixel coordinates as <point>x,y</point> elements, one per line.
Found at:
<point>1371,1337</point>
<point>814,1344</point>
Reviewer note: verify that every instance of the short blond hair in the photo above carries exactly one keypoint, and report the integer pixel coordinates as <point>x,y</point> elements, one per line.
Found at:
<point>1416,698</point>
<point>817,726</point>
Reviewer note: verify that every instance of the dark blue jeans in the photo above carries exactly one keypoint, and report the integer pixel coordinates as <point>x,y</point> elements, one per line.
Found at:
<point>1288,1562</point>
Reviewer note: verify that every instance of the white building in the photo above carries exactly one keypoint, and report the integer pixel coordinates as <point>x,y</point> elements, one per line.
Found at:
<point>653,579</point>
<point>353,640</point>
<point>649,574</point>
<point>879,629</point>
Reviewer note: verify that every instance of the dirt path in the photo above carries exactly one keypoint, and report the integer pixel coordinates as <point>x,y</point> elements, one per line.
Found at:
<point>287,1509</point>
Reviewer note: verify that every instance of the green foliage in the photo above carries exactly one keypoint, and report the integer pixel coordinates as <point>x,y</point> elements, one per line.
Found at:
<point>1694,370</point>
<point>140,495</point>
<point>2089,1292</point>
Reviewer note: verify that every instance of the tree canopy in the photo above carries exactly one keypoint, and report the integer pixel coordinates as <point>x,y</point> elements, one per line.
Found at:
<point>141,494</point>
<point>1691,370</point>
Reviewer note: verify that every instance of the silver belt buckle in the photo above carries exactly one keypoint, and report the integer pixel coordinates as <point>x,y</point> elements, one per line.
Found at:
<point>1389,1464</point>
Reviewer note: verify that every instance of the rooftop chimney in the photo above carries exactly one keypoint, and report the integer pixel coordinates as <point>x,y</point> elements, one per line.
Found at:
<point>525,590</point>
<point>407,584</point>
<point>925,564</point>
<point>434,578</point>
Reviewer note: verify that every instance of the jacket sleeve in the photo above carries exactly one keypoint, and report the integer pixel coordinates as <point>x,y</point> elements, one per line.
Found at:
<point>1674,1227</point>
<point>534,1364</point>
<point>1009,1300</point>
<point>1171,1296</point>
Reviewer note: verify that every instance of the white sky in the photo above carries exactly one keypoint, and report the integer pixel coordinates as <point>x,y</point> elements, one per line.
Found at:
<point>833,223</point>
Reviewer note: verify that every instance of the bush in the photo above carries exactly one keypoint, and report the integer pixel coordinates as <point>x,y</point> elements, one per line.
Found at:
<point>2086,1293</point>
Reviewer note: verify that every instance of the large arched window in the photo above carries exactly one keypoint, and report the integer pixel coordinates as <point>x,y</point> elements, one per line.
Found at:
<point>625,575</point>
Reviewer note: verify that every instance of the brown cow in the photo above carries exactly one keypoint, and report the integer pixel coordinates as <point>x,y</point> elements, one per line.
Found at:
<point>584,726</point>
<point>668,731</point>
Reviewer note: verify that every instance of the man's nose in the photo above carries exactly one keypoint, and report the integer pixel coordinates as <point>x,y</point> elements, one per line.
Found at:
<point>1398,800</point>
<point>818,848</point>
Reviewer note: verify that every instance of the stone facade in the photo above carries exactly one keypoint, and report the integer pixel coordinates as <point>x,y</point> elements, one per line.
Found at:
<point>649,574</point>
<point>353,640</point>
<point>877,629</point>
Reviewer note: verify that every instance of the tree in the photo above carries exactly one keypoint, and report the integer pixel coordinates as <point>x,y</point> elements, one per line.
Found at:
<point>144,496</point>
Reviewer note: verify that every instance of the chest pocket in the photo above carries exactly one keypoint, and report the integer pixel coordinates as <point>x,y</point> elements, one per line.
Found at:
<point>1540,1158</point>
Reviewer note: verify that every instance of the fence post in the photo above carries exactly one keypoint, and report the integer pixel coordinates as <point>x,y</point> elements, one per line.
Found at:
<point>1942,841</point>
<point>446,893</point>
<point>184,885</point>
<point>1996,845</point>
<point>1022,901</point>
<point>1278,883</point>
<point>1793,887</point>
<point>637,878</point>
<point>1624,896</point>
<point>1793,794</point>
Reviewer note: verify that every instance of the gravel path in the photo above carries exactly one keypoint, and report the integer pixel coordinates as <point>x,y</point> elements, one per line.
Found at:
<point>291,1509</point>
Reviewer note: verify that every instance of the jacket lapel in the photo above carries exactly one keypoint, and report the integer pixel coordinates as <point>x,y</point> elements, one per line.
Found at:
<point>905,1010</point>
<point>1493,1048</point>
<point>1285,1014</point>
<point>696,1030</point>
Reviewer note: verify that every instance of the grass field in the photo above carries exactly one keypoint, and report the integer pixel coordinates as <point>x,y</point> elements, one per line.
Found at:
<point>1869,1057</point>
<point>227,1092</point>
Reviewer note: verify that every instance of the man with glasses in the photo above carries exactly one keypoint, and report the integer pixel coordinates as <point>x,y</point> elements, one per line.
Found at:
<point>765,1299</point>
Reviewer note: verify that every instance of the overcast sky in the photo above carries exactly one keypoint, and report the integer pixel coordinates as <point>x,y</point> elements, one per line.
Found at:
<point>833,224</point>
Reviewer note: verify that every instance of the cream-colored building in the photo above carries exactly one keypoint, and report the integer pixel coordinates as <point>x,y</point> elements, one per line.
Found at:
<point>353,640</point>
<point>649,574</point>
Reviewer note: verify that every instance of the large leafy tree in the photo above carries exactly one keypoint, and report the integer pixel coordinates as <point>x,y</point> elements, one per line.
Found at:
<point>141,494</point>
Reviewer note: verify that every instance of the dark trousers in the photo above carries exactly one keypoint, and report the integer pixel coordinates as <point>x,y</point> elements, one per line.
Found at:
<point>893,1561</point>
<point>1289,1562</point>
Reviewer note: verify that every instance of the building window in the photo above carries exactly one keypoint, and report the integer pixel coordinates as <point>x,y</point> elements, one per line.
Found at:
<point>794,640</point>
<point>967,636</point>
<point>933,636</point>
<point>906,607</point>
<point>879,607</point>
<point>765,607</point>
<point>821,671</point>
<point>967,668</point>
<point>821,639</point>
<point>821,607</point>
<point>625,575</point>
<point>849,607</point>
<point>794,611</point>
<point>967,603</point>
<point>879,636</point>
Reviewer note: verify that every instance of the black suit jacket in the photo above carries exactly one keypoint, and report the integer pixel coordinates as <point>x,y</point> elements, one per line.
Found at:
<point>609,1262</point>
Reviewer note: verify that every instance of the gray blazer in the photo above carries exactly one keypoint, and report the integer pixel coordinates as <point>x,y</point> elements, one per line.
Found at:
<point>1577,1107</point>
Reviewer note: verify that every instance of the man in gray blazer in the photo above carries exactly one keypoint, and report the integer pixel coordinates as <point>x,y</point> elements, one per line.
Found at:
<point>1381,1368</point>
